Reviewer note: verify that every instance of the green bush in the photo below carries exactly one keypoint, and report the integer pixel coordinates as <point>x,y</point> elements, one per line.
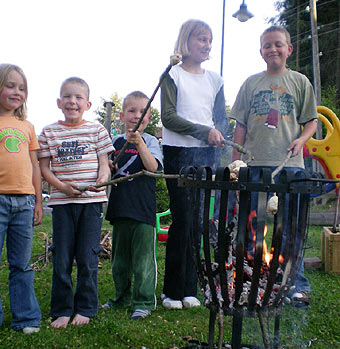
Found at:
<point>162,195</point>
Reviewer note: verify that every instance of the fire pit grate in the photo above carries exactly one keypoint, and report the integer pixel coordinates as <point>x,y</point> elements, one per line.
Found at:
<point>237,281</point>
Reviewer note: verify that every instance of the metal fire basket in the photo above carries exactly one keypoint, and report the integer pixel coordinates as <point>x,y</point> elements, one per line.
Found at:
<point>235,282</point>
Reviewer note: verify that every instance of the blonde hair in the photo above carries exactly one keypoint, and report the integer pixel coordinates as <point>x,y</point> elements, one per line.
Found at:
<point>5,69</point>
<point>134,94</point>
<point>190,27</point>
<point>277,28</point>
<point>76,80</point>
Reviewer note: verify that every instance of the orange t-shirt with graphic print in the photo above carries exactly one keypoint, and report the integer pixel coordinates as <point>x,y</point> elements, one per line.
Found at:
<point>17,139</point>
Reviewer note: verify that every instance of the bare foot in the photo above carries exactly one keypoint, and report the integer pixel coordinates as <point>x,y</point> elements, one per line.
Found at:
<point>61,322</point>
<point>80,320</point>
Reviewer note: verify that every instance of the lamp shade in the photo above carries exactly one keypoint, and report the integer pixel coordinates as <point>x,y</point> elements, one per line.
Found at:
<point>243,14</point>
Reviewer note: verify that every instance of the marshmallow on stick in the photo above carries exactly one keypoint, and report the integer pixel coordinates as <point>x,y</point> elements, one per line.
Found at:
<point>234,169</point>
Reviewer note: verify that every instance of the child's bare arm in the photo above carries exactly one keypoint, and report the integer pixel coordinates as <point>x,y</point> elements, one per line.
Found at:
<point>307,132</point>
<point>239,138</point>
<point>149,161</point>
<point>36,181</point>
<point>70,189</point>
<point>104,172</point>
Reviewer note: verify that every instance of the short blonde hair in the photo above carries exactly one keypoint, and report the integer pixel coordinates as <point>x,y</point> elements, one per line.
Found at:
<point>277,28</point>
<point>190,27</point>
<point>76,80</point>
<point>5,69</point>
<point>134,94</point>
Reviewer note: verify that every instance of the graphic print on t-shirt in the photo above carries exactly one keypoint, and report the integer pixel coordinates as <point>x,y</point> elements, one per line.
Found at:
<point>12,138</point>
<point>71,150</point>
<point>274,105</point>
<point>130,162</point>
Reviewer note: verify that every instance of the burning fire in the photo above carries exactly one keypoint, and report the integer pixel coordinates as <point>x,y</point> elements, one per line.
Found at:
<point>267,256</point>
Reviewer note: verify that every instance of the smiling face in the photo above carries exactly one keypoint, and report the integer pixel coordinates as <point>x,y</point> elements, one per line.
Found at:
<point>132,110</point>
<point>13,94</point>
<point>275,50</point>
<point>199,45</point>
<point>73,102</point>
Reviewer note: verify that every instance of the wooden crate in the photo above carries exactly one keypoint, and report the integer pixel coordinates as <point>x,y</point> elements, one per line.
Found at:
<point>330,245</point>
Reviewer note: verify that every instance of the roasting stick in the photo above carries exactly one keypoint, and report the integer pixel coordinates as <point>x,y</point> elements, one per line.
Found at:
<point>134,175</point>
<point>174,59</point>
<point>273,202</point>
<point>240,149</point>
<point>279,168</point>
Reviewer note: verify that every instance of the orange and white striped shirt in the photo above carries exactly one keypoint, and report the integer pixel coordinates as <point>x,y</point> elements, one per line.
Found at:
<point>73,151</point>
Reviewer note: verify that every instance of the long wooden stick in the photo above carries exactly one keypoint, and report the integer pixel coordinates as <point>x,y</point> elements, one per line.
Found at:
<point>134,175</point>
<point>240,148</point>
<point>157,174</point>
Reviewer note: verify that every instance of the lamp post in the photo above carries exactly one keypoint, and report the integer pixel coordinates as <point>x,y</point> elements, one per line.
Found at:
<point>242,15</point>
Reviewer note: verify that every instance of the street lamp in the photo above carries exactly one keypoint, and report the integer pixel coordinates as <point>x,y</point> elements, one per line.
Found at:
<point>242,15</point>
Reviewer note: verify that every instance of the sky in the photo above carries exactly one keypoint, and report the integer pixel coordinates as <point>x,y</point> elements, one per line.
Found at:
<point>118,46</point>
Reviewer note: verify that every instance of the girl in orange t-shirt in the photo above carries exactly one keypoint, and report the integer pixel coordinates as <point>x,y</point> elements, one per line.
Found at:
<point>20,197</point>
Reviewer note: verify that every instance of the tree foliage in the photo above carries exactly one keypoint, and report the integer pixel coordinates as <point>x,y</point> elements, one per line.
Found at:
<point>295,17</point>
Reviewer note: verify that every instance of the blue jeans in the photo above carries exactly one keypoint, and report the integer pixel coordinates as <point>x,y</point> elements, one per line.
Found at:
<point>300,282</point>
<point>16,220</point>
<point>76,234</point>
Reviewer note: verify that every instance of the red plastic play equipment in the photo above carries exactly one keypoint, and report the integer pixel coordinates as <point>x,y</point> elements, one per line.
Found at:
<point>327,150</point>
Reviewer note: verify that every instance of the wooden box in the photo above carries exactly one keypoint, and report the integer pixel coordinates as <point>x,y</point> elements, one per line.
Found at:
<point>330,247</point>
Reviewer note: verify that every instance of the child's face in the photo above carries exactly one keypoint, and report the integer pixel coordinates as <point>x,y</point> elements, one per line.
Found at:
<point>73,102</point>
<point>13,95</point>
<point>132,111</point>
<point>199,45</point>
<point>275,50</point>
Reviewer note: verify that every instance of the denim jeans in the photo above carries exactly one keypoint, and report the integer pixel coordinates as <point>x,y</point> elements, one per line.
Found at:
<point>76,234</point>
<point>300,282</point>
<point>16,220</point>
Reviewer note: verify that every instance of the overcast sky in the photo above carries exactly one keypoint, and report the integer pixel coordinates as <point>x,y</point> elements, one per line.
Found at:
<point>119,45</point>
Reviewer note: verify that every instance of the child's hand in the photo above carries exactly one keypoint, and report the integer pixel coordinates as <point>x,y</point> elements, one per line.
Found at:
<point>295,146</point>
<point>71,189</point>
<point>38,214</point>
<point>113,168</point>
<point>133,137</point>
<point>215,138</point>
<point>98,181</point>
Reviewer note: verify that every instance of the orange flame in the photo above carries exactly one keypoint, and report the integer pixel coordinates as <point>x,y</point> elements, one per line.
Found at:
<point>266,255</point>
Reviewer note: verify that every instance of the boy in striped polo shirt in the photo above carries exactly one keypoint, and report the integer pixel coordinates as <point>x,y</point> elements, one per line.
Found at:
<point>73,154</point>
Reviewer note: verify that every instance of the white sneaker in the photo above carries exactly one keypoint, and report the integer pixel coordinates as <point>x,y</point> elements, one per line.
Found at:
<point>190,302</point>
<point>30,330</point>
<point>171,303</point>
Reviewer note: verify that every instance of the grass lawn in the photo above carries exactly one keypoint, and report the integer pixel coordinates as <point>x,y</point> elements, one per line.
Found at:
<point>318,326</point>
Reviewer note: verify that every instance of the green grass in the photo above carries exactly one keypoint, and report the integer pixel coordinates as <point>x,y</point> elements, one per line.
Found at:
<point>165,328</point>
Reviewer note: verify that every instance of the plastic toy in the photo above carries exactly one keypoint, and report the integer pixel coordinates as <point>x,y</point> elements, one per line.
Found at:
<point>327,150</point>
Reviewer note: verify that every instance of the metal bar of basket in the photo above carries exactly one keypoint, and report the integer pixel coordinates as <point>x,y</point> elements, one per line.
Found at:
<point>224,240</point>
<point>276,248</point>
